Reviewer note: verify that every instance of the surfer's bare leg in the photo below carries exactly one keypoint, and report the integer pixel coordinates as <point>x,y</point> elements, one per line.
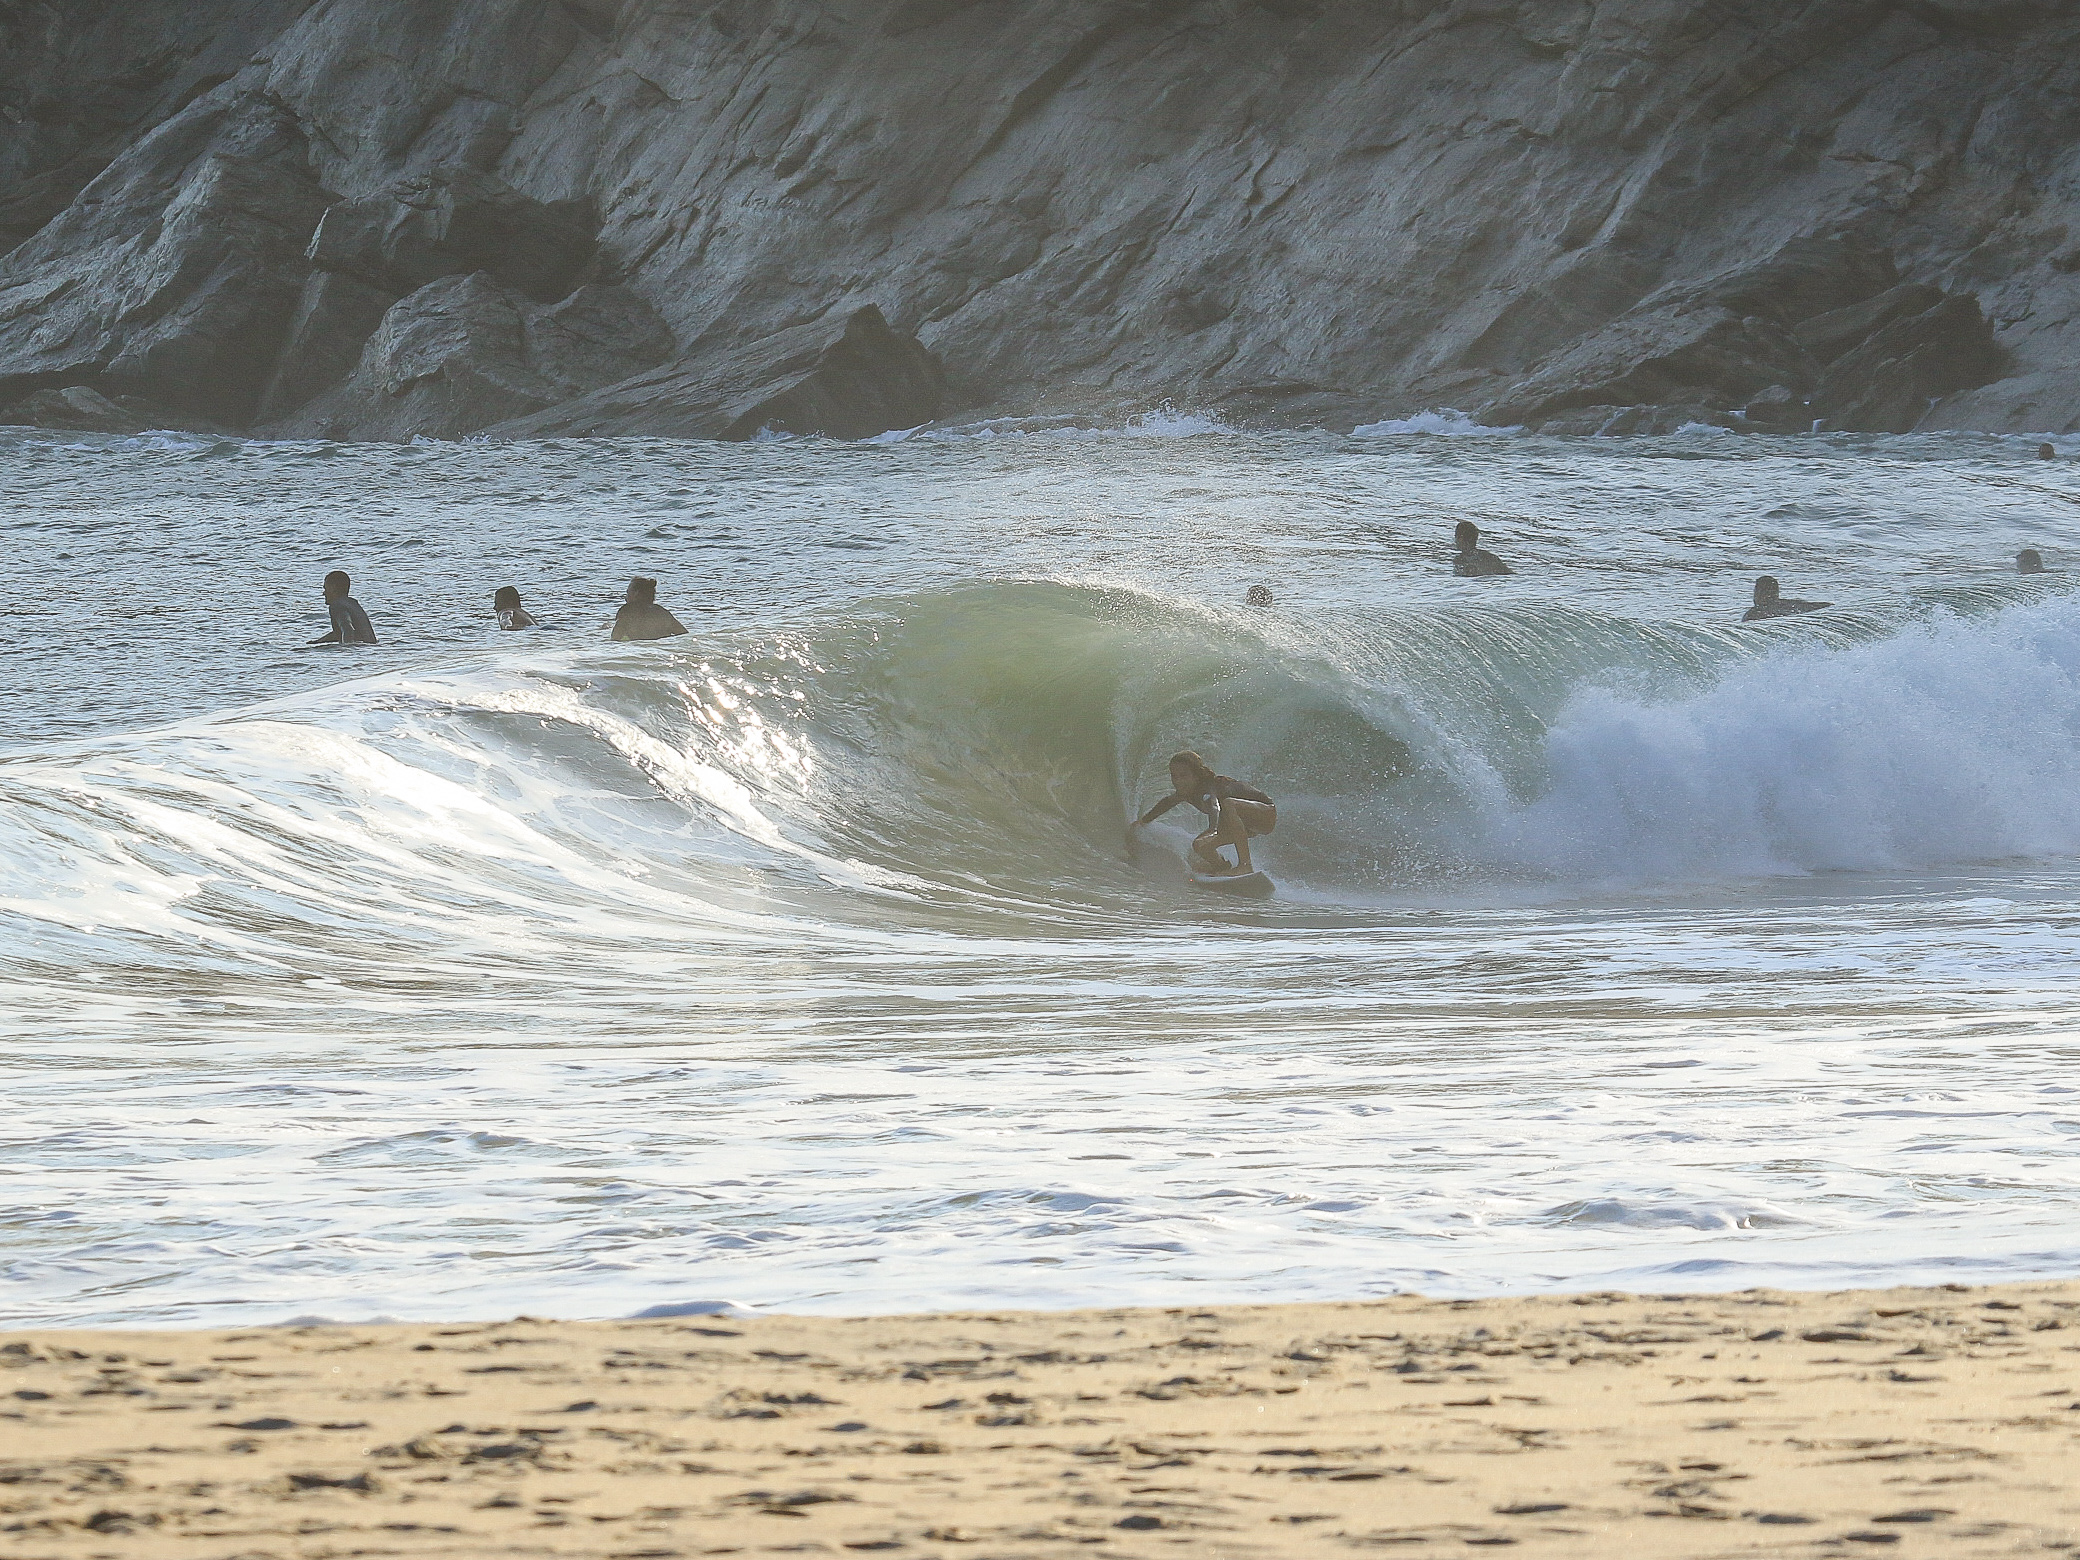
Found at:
<point>1230,827</point>
<point>1205,857</point>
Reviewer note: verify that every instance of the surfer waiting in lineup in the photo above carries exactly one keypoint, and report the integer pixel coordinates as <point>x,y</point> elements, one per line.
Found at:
<point>641,617</point>
<point>1257,596</point>
<point>1238,813</point>
<point>1770,603</point>
<point>350,625</point>
<point>2030,561</point>
<point>505,601</point>
<point>1472,561</point>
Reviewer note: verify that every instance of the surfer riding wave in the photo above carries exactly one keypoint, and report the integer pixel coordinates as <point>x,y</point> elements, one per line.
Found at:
<point>1237,813</point>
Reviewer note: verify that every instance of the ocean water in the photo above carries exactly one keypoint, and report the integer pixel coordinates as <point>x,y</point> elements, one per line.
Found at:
<point>799,963</point>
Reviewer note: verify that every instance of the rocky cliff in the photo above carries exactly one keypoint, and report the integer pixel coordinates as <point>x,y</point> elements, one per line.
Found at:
<point>381,218</point>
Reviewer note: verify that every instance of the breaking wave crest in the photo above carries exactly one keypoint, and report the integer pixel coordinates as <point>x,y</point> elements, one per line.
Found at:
<point>965,760</point>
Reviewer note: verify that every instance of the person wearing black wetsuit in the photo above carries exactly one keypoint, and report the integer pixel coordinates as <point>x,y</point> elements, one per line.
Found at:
<point>350,625</point>
<point>1770,603</point>
<point>1472,561</point>
<point>641,617</point>
<point>505,601</point>
<point>2030,561</point>
<point>1237,814</point>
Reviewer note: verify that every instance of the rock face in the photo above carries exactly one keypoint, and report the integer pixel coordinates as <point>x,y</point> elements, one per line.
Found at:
<point>463,352</point>
<point>1585,214</point>
<point>1824,334</point>
<point>850,377</point>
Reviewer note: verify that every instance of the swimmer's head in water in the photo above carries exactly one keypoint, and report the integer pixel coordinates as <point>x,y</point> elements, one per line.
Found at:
<point>2046,452</point>
<point>1259,596</point>
<point>2029,561</point>
<point>505,598</point>
<point>1190,773</point>
<point>1767,590</point>
<point>1466,536</point>
<point>337,584</point>
<point>642,589</point>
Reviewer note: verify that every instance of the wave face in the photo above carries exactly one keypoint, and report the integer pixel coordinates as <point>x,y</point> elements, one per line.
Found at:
<point>956,757</point>
<point>802,960</point>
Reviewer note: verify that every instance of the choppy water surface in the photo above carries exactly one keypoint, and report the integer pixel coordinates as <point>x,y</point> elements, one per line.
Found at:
<point>798,962</point>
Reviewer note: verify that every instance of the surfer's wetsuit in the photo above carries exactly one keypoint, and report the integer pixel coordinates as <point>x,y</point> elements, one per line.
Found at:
<point>350,625</point>
<point>1771,602</point>
<point>645,620</point>
<point>1782,606</point>
<point>1477,563</point>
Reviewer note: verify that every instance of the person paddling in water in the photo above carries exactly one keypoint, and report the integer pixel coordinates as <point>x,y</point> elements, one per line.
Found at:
<point>1771,602</point>
<point>1238,813</point>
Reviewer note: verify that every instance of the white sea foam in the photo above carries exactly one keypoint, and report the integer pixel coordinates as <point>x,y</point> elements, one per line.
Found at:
<point>1446,421</point>
<point>1163,422</point>
<point>1949,743</point>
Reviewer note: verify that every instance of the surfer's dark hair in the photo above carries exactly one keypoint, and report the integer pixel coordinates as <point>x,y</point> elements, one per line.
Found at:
<point>338,578</point>
<point>506,597</point>
<point>642,585</point>
<point>1466,533</point>
<point>1199,765</point>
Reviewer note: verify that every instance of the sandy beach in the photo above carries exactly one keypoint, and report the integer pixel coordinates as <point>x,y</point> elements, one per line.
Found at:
<point>1915,1421</point>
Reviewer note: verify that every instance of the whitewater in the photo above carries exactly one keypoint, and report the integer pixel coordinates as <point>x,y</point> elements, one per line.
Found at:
<point>799,963</point>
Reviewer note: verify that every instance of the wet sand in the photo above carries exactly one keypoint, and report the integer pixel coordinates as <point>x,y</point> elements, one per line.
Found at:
<point>1940,1422</point>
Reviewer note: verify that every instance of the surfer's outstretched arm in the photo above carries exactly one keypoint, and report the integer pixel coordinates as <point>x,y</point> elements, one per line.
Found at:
<point>1157,811</point>
<point>1134,829</point>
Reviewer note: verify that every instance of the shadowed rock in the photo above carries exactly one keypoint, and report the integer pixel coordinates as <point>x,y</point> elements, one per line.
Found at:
<point>2047,401</point>
<point>845,377</point>
<point>1745,353</point>
<point>464,352</point>
<point>176,271</point>
<point>1891,382</point>
<point>334,318</point>
<point>453,222</point>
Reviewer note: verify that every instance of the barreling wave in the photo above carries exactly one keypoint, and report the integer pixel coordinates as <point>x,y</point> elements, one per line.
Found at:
<point>964,760</point>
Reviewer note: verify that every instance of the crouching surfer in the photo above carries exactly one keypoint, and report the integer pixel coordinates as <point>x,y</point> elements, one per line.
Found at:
<point>1237,814</point>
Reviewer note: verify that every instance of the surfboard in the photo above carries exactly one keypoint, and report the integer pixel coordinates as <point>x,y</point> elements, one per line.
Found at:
<point>1247,885</point>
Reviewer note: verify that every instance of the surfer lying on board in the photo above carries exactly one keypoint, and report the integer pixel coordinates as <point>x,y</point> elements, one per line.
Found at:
<point>1239,814</point>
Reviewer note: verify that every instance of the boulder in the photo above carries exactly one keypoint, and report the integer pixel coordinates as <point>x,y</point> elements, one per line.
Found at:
<point>1683,354</point>
<point>2046,401</point>
<point>75,408</point>
<point>464,352</point>
<point>1891,382</point>
<point>1823,332</point>
<point>79,408</point>
<point>453,222</point>
<point>845,376</point>
<point>175,273</point>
